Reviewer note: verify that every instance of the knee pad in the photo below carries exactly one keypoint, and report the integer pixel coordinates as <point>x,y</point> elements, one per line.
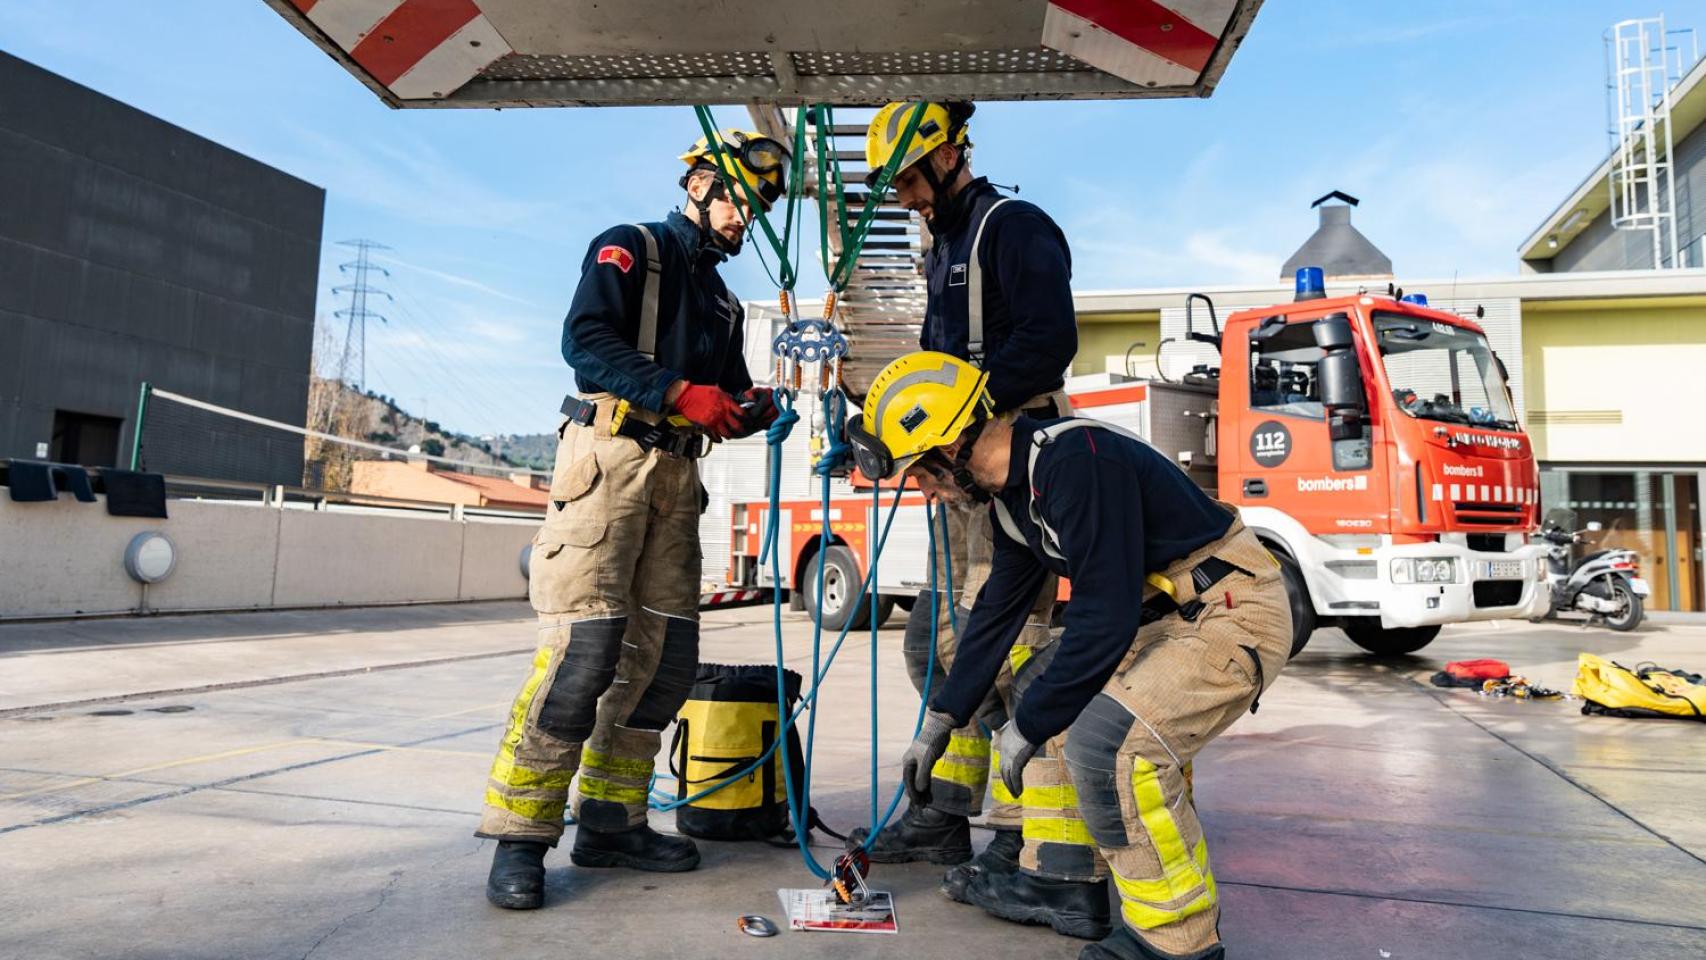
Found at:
<point>678,666</point>
<point>589,664</point>
<point>1092,757</point>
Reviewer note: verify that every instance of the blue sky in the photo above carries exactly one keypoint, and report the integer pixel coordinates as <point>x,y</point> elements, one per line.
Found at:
<point>1459,124</point>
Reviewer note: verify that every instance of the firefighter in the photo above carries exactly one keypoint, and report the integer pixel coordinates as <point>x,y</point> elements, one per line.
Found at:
<point>1000,296</point>
<point>655,340</point>
<point>1130,692</point>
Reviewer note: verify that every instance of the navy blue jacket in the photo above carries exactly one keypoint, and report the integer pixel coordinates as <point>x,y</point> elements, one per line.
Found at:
<point>1121,510</point>
<point>700,324</point>
<point>1029,331</point>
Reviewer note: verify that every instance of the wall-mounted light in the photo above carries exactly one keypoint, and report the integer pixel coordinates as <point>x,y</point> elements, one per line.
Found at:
<point>151,557</point>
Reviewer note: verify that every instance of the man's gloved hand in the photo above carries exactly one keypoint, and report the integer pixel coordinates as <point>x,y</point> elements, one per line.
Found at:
<point>710,408</point>
<point>758,410</point>
<point>1014,751</point>
<point>921,756</point>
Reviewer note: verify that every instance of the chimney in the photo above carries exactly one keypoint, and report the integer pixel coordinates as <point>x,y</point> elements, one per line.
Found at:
<point>1337,247</point>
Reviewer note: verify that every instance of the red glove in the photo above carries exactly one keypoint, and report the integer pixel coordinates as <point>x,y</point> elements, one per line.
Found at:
<point>710,408</point>
<point>760,405</point>
<point>757,411</point>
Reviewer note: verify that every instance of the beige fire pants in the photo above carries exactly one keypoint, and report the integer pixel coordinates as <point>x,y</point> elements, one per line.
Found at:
<point>615,574</point>
<point>1183,682</point>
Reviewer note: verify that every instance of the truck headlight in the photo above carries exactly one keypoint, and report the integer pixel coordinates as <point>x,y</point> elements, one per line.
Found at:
<point>1424,570</point>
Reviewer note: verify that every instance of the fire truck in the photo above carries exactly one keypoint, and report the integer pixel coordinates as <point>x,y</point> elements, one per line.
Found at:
<point>1370,441</point>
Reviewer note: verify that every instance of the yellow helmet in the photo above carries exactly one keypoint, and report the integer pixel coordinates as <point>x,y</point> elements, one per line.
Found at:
<point>759,161</point>
<point>941,123</point>
<point>921,401</point>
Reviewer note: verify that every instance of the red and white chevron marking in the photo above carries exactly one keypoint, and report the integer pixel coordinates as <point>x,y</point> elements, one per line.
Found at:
<point>720,598</point>
<point>1139,41</point>
<point>418,49</point>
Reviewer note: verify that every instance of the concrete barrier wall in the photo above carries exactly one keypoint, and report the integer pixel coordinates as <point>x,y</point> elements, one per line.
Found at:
<point>66,559</point>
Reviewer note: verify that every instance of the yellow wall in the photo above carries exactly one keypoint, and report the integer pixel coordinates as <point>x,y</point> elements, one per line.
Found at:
<point>1103,335</point>
<point>1645,361</point>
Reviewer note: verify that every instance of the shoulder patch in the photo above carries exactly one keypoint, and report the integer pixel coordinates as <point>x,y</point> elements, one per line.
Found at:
<point>616,256</point>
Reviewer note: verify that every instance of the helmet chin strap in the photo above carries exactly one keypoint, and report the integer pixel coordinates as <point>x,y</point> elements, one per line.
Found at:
<point>703,205</point>
<point>961,466</point>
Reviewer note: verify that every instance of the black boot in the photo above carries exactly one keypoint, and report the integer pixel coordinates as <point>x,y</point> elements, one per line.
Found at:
<point>1124,945</point>
<point>1001,856</point>
<point>1074,908</point>
<point>641,848</point>
<point>517,880</point>
<point>924,834</point>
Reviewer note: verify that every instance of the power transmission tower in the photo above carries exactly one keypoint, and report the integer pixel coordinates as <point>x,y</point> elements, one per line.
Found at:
<point>355,334</point>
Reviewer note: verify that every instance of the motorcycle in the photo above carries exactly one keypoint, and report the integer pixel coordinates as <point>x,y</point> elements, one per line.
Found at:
<point>1604,584</point>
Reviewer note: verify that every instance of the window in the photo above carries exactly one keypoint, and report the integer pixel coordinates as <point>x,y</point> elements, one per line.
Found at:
<point>85,438</point>
<point>1283,364</point>
<point>1443,372</point>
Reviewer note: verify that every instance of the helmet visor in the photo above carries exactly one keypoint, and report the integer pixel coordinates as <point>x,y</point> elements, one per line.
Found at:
<point>870,454</point>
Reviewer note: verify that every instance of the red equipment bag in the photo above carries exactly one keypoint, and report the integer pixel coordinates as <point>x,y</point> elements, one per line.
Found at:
<point>1478,669</point>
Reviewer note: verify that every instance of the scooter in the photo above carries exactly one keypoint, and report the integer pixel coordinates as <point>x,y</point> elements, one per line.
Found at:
<point>1605,584</point>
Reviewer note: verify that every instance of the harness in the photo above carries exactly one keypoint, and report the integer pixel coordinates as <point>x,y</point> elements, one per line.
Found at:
<point>1204,575</point>
<point>974,289</point>
<point>664,435</point>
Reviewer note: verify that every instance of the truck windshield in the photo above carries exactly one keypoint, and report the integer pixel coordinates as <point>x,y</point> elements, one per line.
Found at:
<point>1443,372</point>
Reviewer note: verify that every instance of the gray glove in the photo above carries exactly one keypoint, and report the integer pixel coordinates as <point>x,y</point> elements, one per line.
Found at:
<point>1013,752</point>
<point>921,756</point>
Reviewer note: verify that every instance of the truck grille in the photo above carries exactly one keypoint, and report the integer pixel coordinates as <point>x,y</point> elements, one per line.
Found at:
<point>1498,593</point>
<point>1491,514</point>
<point>1487,542</point>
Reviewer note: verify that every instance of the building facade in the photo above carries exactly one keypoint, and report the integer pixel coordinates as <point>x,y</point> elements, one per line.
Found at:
<point>132,250</point>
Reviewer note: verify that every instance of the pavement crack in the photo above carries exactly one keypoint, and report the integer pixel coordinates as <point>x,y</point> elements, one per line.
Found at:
<point>384,894</point>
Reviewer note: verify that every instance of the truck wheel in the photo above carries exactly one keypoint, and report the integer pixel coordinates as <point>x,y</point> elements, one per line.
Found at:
<point>1302,610</point>
<point>1367,633</point>
<point>905,602</point>
<point>841,601</point>
<point>1628,615</point>
<point>885,608</point>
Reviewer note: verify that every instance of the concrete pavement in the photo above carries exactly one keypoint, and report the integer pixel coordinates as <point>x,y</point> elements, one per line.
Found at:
<point>306,784</point>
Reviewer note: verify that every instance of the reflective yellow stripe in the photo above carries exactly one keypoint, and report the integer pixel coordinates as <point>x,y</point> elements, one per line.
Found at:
<point>1019,656</point>
<point>503,767</point>
<point>1179,870</point>
<point>617,766</point>
<point>1145,917</point>
<point>964,774</point>
<point>1160,890</point>
<point>523,778</point>
<point>969,747</point>
<point>596,789</point>
<point>1057,830</point>
<point>1063,796</point>
<point>545,811</point>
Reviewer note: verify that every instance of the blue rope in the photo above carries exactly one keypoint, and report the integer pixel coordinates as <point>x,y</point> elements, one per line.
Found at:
<point>798,794</point>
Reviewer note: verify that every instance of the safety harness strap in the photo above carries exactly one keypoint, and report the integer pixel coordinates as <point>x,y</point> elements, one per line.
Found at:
<point>647,343</point>
<point>974,289</point>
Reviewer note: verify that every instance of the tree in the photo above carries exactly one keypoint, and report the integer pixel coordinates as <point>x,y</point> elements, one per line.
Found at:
<point>432,447</point>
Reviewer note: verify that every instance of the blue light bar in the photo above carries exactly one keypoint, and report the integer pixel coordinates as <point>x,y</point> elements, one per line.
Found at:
<point>1311,283</point>
<point>1419,299</point>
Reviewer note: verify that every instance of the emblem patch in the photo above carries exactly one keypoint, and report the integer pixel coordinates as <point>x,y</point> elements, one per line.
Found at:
<point>621,258</point>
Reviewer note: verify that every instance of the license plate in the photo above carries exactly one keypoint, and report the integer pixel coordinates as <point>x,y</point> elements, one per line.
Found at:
<point>1501,570</point>
<point>1639,586</point>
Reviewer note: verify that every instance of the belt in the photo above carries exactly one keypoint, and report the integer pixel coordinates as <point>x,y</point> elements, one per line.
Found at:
<point>650,436</point>
<point>1203,575</point>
